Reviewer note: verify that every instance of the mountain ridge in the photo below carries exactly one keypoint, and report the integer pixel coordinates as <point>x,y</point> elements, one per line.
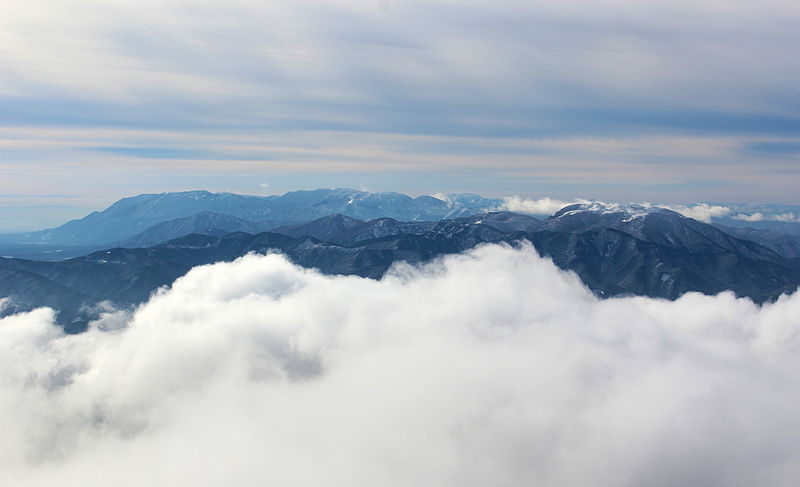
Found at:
<point>130,216</point>
<point>658,254</point>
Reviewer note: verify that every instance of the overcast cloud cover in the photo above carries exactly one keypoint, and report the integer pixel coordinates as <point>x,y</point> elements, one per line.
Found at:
<point>621,100</point>
<point>488,368</point>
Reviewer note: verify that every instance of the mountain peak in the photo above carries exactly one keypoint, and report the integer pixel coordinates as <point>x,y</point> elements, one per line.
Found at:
<point>626,211</point>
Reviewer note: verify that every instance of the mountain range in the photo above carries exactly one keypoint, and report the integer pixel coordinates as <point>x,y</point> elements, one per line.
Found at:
<point>132,219</point>
<point>616,250</point>
<point>149,219</point>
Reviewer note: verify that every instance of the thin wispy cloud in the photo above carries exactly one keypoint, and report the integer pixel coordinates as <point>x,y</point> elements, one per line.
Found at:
<point>673,101</point>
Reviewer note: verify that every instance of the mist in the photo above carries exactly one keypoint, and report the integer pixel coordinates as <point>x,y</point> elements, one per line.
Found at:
<point>491,367</point>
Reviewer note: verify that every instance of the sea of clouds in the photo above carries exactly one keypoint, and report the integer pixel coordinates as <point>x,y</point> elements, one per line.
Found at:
<point>488,368</point>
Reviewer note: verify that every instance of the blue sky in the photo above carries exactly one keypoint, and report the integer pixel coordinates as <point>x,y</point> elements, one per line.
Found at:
<point>671,101</point>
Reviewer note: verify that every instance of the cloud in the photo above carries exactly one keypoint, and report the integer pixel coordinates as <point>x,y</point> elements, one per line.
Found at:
<point>754,217</point>
<point>543,206</point>
<point>256,55</point>
<point>488,368</point>
<point>703,211</point>
<point>785,217</point>
<point>758,216</point>
<point>774,148</point>
<point>619,99</point>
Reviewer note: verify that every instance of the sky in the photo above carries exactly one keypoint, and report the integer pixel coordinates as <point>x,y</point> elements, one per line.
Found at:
<point>621,100</point>
<point>491,367</point>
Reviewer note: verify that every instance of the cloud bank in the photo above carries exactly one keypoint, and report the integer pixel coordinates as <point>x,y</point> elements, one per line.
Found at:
<point>702,211</point>
<point>542,206</point>
<point>758,216</point>
<point>488,368</point>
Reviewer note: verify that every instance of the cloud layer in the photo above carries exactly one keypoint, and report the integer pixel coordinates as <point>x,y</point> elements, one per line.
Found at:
<point>663,100</point>
<point>488,368</point>
<point>758,216</point>
<point>544,206</point>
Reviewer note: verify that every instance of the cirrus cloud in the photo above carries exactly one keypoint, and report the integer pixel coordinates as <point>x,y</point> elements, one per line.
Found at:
<point>662,100</point>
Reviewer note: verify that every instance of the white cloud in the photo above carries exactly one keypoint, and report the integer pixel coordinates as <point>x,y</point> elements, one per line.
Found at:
<point>785,217</point>
<point>442,197</point>
<point>703,211</point>
<point>489,368</point>
<point>543,206</point>
<point>754,217</point>
<point>758,216</point>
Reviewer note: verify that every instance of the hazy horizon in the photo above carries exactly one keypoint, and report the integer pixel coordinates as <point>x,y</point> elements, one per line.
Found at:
<point>32,218</point>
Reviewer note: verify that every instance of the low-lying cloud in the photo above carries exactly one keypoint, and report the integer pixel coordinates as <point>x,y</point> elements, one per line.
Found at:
<point>702,211</point>
<point>487,368</point>
<point>758,216</point>
<point>542,206</point>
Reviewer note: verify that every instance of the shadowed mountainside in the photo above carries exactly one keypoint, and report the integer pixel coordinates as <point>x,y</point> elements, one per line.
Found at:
<point>640,251</point>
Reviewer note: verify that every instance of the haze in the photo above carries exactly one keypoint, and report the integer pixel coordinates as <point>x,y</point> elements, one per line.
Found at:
<point>670,101</point>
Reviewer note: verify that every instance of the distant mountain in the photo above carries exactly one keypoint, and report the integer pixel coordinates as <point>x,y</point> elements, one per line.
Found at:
<point>656,225</point>
<point>28,290</point>
<point>779,218</point>
<point>350,232</point>
<point>47,252</point>
<point>784,244</point>
<point>343,230</point>
<point>325,228</point>
<point>129,217</point>
<point>660,253</point>
<point>205,223</point>
<point>782,227</point>
<point>615,250</point>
